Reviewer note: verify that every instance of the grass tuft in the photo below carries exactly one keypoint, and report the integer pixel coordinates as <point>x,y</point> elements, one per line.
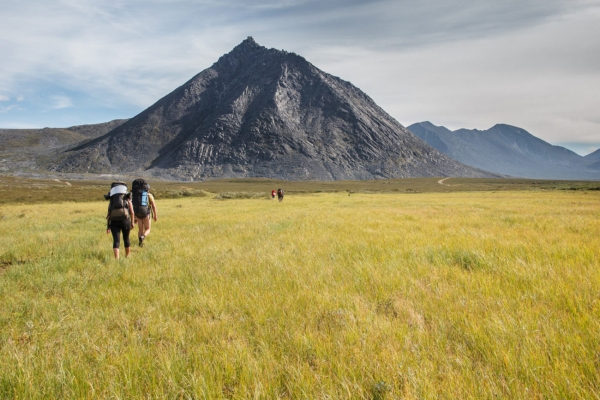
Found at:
<point>241,195</point>
<point>379,390</point>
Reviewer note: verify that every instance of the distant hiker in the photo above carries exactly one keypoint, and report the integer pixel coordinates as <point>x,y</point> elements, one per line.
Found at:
<point>273,193</point>
<point>143,206</point>
<point>120,216</point>
<point>280,194</point>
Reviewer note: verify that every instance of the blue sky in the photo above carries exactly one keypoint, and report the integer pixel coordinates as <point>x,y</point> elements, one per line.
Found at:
<point>462,64</point>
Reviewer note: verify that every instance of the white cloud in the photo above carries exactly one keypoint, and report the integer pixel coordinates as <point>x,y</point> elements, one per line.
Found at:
<point>60,102</point>
<point>4,110</point>
<point>543,79</point>
<point>4,98</point>
<point>140,51</point>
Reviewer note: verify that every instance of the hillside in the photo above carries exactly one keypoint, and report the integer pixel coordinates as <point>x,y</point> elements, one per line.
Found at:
<point>507,150</point>
<point>29,148</point>
<point>593,159</point>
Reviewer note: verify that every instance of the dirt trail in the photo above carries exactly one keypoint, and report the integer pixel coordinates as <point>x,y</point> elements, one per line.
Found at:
<point>441,181</point>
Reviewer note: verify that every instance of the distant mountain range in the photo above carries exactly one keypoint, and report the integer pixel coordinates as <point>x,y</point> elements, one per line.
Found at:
<point>593,160</point>
<point>509,150</point>
<point>261,112</point>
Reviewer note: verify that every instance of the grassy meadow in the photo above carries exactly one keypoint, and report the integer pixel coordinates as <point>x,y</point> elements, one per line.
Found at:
<point>462,295</point>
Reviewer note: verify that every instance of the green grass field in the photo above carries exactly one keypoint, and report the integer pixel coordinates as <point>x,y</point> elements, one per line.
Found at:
<point>28,191</point>
<point>461,295</point>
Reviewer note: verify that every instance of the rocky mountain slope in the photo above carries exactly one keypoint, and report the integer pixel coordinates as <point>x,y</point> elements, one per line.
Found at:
<point>261,112</point>
<point>508,150</point>
<point>32,148</point>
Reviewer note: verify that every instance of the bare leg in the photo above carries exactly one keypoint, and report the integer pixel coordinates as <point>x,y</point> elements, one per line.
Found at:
<point>116,251</point>
<point>127,251</point>
<point>147,225</point>
<point>141,228</point>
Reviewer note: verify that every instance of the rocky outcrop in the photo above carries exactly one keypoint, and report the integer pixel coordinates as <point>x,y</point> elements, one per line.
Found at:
<point>261,112</point>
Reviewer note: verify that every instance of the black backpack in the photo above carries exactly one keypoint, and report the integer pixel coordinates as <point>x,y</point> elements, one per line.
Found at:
<point>141,203</point>
<point>118,208</point>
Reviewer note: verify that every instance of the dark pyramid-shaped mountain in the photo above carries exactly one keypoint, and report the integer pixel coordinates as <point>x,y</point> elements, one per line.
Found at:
<point>261,112</point>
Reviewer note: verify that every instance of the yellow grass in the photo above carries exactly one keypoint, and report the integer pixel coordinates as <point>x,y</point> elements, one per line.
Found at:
<point>438,295</point>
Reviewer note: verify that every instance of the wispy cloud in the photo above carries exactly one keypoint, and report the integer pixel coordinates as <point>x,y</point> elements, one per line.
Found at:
<point>60,102</point>
<point>139,51</point>
<point>4,98</point>
<point>4,110</point>
<point>541,78</point>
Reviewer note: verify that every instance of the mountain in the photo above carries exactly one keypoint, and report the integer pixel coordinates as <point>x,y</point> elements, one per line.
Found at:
<point>28,148</point>
<point>261,112</point>
<point>593,158</point>
<point>508,150</point>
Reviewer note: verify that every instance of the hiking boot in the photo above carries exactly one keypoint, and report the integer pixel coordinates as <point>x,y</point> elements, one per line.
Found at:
<point>142,240</point>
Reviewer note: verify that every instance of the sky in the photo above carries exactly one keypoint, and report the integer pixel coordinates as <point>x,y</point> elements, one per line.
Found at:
<point>470,64</point>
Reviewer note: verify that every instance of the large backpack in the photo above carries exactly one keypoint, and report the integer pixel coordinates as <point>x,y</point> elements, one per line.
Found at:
<point>118,209</point>
<point>141,203</point>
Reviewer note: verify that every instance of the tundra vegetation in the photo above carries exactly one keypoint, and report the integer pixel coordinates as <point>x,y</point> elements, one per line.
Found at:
<point>338,294</point>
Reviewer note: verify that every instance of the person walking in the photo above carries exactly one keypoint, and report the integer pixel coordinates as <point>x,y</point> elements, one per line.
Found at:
<point>280,195</point>
<point>144,207</point>
<point>120,217</point>
<point>273,194</point>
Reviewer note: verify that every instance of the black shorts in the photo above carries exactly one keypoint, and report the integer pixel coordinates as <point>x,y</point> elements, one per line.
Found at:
<point>116,227</point>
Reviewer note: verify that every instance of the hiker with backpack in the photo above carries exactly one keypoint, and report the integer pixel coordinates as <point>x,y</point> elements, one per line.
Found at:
<point>143,206</point>
<point>120,217</point>
<point>280,195</point>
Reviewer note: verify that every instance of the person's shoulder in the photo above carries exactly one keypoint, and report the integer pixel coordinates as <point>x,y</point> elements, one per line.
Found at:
<point>151,196</point>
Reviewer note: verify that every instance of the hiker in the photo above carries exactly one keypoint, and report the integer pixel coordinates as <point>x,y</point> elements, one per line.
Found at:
<point>273,194</point>
<point>143,206</point>
<point>280,194</point>
<point>120,217</point>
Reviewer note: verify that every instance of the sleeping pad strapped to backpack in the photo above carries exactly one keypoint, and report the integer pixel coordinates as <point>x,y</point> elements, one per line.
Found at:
<point>117,208</point>
<point>139,190</point>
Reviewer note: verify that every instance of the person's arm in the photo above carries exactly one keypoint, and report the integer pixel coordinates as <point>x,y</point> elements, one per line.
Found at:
<point>153,206</point>
<point>131,215</point>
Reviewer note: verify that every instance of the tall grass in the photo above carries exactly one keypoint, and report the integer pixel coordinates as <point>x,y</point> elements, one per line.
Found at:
<point>455,295</point>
